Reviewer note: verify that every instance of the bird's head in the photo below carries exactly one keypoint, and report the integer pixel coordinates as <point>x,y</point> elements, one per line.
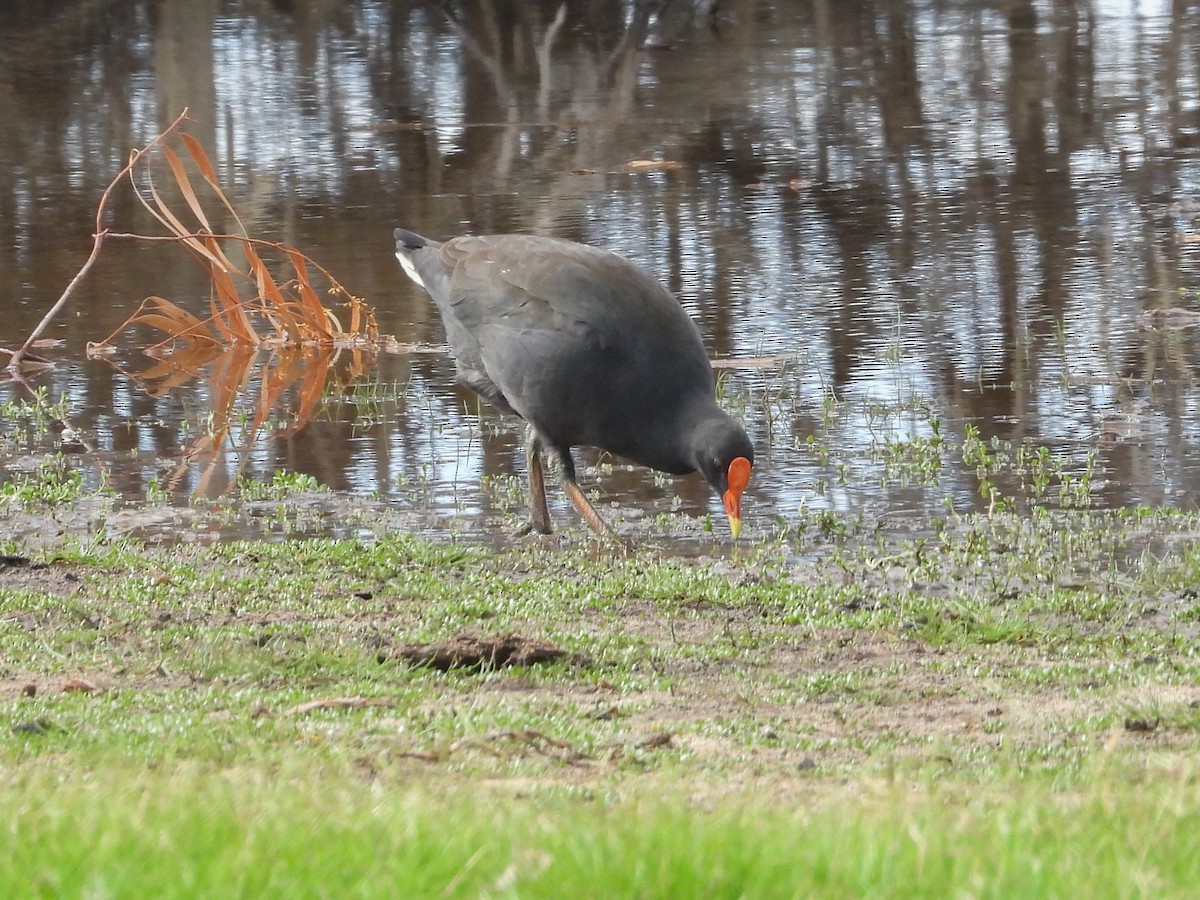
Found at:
<point>725,458</point>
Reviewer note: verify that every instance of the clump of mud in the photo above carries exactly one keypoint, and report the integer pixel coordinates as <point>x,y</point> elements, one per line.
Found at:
<point>474,654</point>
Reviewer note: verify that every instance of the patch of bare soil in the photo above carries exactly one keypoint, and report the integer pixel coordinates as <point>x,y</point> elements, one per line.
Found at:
<point>20,573</point>
<point>790,700</point>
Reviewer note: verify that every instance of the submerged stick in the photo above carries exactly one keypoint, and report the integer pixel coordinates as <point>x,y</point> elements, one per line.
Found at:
<point>14,364</point>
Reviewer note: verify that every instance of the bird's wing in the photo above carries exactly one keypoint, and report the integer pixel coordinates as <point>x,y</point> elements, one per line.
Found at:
<point>563,329</point>
<point>524,311</point>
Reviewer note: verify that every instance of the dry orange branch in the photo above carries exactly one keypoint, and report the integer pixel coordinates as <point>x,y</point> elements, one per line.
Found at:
<point>262,296</point>
<point>15,362</point>
<point>248,303</point>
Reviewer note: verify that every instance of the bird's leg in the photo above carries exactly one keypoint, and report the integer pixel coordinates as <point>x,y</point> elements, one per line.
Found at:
<point>575,495</point>
<point>539,513</point>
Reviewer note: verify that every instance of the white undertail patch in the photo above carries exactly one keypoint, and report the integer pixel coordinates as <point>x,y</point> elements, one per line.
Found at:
<point>410,270</point>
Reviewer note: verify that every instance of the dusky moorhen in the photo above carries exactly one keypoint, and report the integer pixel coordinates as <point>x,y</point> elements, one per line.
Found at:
<point>587,348</point>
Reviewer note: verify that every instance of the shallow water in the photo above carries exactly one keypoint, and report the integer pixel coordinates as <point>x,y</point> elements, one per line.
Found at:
<point>913,221</point>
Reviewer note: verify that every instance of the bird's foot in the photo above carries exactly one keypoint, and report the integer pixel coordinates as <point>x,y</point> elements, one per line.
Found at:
<point>618,543</point>
<point>532,527</point>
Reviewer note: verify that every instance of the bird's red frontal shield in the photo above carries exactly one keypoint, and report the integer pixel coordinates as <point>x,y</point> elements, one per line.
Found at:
<point>738,478</point>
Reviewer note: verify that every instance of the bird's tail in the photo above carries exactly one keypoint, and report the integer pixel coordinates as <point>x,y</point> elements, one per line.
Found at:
<point>407,243</point>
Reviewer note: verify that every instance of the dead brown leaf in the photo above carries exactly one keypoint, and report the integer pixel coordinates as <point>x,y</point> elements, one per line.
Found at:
<point>652,165</point>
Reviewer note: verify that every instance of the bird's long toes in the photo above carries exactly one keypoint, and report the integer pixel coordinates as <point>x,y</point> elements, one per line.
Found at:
<point>620,542</point>
<point>532,527</point>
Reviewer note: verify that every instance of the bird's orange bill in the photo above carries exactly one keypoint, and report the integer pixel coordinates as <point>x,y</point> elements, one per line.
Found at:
<point>738,477</point>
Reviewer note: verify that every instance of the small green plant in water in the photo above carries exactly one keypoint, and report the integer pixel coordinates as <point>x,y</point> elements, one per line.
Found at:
<point>26,421</point>
<point>156,493</point>
<point>52,483</point>
<point>1035,469</point>
<point>915,460</point>
<point>281,485</point>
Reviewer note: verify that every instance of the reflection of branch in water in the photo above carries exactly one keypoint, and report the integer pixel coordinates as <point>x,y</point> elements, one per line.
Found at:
<point>597,88</point>
<point>543,59</point>
<point>504,92</point>
<point>254,395</point>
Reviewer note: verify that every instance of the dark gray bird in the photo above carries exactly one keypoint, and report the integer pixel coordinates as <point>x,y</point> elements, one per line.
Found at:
<point>589,350</point>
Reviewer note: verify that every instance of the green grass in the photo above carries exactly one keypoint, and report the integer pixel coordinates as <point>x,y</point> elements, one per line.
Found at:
<point>197,832</point>
<point>282,484</point>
